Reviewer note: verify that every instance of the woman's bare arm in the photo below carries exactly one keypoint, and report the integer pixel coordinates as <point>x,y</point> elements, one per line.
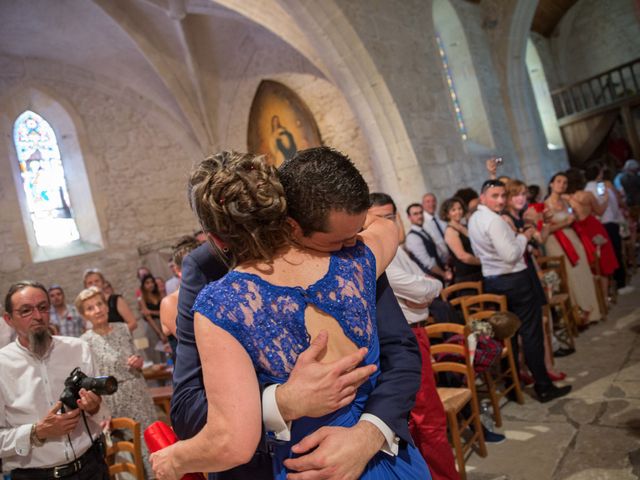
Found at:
<point>169,313</point>
<point>381,236</point>
<point>452,239</point>
<point>126,313</point>
<point>234,419</point>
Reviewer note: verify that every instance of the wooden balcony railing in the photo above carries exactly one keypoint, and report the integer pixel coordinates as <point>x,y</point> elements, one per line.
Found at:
<point>599,91</point>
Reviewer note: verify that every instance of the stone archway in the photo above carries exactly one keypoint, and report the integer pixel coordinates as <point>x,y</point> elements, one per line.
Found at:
<point>323,35</point>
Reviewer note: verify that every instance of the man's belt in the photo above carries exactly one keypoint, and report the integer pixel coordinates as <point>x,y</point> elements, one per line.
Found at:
<point>61,471</point>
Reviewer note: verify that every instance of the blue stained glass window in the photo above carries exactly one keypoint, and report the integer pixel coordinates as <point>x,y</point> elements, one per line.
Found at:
<point>43,181</point>
<point>452,89</point>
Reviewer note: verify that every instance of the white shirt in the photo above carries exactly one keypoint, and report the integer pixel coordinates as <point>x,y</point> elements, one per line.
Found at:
<point>172,285</point>
<point>497,246</point>
<point>612,214</point>
<point>430,227</point>
<point>410,283</point>
<point>415,245</point>
<point>274,423</point>
<point>29,388</point>
<point>6,334</point>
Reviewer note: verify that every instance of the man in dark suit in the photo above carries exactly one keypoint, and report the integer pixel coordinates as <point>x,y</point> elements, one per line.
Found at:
<point>340,451</point>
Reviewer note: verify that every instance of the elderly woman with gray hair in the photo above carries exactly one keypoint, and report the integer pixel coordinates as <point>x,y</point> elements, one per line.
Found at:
<point>115,354</point>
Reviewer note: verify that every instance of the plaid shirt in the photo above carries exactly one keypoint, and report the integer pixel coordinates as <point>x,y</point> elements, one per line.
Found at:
<point>70,323</point>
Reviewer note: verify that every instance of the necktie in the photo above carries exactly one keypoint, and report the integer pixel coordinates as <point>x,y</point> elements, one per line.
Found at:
<point>438,226</point>
<point>430,246</point>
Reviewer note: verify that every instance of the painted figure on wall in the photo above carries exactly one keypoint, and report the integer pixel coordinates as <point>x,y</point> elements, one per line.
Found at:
<point>282,145</point>
<point>280,123</point>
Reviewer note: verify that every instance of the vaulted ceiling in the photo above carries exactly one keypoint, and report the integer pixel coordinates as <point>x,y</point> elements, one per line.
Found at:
<point>548,14</point>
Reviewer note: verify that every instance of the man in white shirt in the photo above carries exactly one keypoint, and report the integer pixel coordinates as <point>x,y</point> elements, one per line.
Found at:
<point>501,253</point>
<point>415,291</point>
<point>6,334</point>
<point>37,440</point>
<point>421,246</point>
<point>434,225</point>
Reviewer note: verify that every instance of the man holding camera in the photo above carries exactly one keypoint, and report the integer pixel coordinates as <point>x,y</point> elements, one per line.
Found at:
<point>39,439</point>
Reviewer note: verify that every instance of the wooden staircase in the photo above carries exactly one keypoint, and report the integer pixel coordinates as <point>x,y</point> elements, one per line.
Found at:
<point>611,89</point>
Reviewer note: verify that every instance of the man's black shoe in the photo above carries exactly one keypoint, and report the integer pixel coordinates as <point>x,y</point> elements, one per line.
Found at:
<point>552,393</point>
<point>563,352</point>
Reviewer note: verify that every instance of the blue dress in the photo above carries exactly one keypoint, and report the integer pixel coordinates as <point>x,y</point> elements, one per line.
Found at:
<point>268,320</point>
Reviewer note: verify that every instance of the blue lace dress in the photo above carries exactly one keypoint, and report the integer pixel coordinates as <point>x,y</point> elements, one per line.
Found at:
<point>268,320</point>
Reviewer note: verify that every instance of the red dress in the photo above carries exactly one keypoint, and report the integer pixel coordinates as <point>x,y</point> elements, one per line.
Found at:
<point>589,229</point>
<point>428,420</point>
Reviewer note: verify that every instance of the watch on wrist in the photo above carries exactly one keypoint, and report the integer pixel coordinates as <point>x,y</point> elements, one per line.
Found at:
<point>35,441</point>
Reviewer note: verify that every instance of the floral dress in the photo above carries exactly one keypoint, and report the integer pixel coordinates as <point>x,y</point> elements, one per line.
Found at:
<point>110,353</point>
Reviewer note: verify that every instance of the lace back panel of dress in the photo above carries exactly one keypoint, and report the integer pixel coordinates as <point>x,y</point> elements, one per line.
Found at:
<point>268,320</point>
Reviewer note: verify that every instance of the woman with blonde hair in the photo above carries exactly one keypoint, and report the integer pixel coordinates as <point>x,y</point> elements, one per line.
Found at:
<point>119,311</point>
<point>115,354</point>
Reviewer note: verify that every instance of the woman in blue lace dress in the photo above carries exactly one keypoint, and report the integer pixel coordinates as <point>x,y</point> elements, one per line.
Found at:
<point>285,287</point>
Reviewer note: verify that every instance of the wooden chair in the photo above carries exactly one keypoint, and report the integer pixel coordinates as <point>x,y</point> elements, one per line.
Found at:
<point>133,447</point>
<point>162,397</point>
<point>471,311</point>
<point>561,300</point>
<point>455,399</point>
<point>447,293</point>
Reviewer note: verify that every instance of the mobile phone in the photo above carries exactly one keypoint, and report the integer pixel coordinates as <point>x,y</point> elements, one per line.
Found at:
<point>600,188</point>
<point>498,160</point>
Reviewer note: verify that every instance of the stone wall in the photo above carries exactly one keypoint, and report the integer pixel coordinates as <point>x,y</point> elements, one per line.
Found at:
<point>401,41</point>
<point>269,58</point>
<point>137,159</point>
<point>595,36</point>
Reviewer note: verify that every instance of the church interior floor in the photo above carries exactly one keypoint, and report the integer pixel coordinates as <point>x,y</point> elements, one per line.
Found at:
<point>594,432</point>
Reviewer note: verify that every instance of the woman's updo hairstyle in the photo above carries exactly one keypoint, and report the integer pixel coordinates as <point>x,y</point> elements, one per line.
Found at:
<point>238,198</point>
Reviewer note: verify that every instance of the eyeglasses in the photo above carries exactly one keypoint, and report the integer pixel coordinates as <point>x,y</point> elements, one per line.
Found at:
<point>491,183</point>
<point>27,310</point>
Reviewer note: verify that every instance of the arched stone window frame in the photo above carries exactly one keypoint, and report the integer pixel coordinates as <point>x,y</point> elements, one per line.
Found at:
<point>69,133</point>
<point>478,137</point>
<point>544,103</point>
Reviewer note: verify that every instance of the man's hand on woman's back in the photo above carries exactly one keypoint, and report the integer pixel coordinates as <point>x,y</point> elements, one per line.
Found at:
<point>314,388</point>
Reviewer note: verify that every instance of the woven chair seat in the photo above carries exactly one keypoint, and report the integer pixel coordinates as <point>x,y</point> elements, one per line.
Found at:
<point>453,399</point>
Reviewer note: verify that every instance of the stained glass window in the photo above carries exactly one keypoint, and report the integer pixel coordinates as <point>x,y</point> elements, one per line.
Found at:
<point>43,181</point>
<point>452,89</point>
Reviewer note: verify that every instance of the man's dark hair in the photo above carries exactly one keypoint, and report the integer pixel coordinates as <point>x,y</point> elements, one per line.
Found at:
<point>492,182</point>
<point>575,180</point>
<point>413,205</point>
<point>592,172</point>
<point>185,245</point>
<point>532,192</point>
<point>318,180</point>
<point>466,195</point>
<point>379,199</point>
<point>16,287</point>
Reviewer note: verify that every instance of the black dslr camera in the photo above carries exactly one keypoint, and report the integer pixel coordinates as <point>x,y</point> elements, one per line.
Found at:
<point>77,380</point>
